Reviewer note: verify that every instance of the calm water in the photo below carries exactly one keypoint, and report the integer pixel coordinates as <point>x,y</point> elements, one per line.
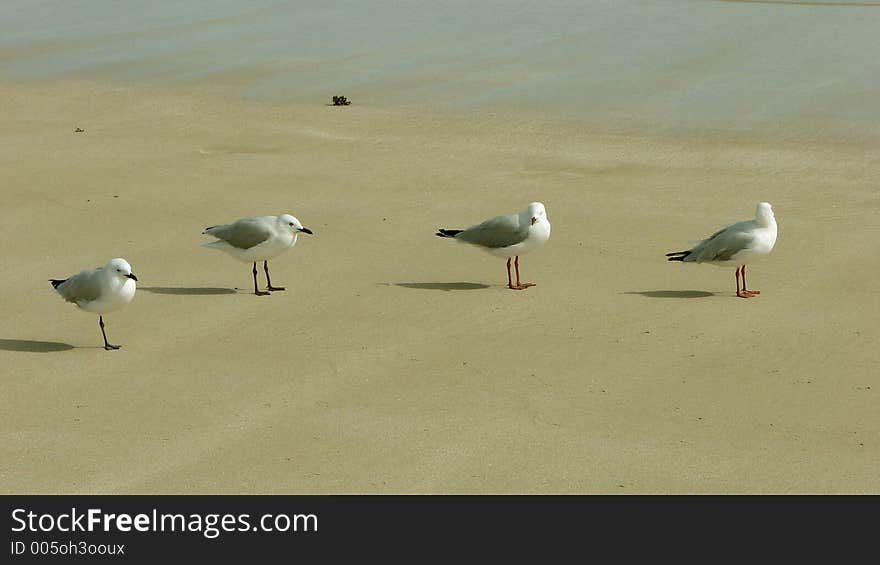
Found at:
<point>662,64</point>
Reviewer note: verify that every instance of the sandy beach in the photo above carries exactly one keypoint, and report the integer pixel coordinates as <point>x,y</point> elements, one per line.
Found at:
<point>399,362</point>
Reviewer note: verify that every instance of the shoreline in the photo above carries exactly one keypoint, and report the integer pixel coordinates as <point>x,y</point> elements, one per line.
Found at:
<point>810,133</point>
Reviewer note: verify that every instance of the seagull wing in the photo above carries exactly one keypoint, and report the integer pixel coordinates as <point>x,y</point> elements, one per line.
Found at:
<point>496,233</point>
<point>724,244</point>
<point>244,233</point>
<point>84,286</point>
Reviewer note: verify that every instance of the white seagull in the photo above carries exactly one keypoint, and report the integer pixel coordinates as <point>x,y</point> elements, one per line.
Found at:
<point>257,239</point>
<point>100,290</point>
<point>737,244</point>
<point>508,236</point>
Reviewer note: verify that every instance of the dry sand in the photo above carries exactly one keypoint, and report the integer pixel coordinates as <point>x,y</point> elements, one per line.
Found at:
<point>398,362</point>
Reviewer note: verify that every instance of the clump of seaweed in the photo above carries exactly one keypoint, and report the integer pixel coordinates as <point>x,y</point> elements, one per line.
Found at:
<point>341,101</point>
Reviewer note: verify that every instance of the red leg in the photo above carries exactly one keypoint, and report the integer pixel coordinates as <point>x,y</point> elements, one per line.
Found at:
<point>741,293</point>
<point>752,292</point>
<point>509,280</point>
<point>519,285</point>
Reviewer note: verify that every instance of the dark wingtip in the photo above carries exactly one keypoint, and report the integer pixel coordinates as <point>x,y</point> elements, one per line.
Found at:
<point>447,233</point>
<point>677,255</point>
<point>56,282</point>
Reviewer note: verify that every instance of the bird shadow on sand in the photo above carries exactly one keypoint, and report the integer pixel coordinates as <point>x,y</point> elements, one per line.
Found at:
<point>31,346</point>
<point>672,293</point>
<point>441,285</point>
<point>186,291</point>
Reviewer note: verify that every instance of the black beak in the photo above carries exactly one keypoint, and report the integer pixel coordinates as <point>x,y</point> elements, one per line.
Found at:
<point>306,230</point>
<point>534,221</point>
<point>131,276</point>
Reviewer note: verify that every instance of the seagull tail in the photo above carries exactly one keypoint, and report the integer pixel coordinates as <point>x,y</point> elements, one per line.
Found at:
<point>57,282</point>
<point>447,233</point>
<point>677,255</point>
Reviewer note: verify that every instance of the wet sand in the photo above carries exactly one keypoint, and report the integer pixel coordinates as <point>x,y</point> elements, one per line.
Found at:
<point>398,362</point>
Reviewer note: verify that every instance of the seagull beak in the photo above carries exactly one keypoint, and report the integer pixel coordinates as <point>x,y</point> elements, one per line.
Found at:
<point>131,276</point>
<point>534,220</point>
<point>306,230</point>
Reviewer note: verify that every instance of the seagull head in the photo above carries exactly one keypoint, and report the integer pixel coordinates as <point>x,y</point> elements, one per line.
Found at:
<point>120,268</point>
<point>535,212</point>
<point>764,213</point>
<point>293,224</point>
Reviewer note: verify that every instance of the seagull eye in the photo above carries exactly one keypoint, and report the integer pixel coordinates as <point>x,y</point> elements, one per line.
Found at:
<point>291,224</point>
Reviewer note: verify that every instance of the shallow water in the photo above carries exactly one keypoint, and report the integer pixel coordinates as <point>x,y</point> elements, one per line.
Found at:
<point>809,69</point>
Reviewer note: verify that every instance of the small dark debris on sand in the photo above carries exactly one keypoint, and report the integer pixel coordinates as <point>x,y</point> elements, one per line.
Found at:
<point>78,130</point>
<point>341,101</point>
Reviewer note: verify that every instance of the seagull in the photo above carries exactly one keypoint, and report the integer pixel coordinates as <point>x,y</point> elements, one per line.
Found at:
<point>257,239</point>
<point>737,244</point>
<point>508,236</point>
<point>100,290</point>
